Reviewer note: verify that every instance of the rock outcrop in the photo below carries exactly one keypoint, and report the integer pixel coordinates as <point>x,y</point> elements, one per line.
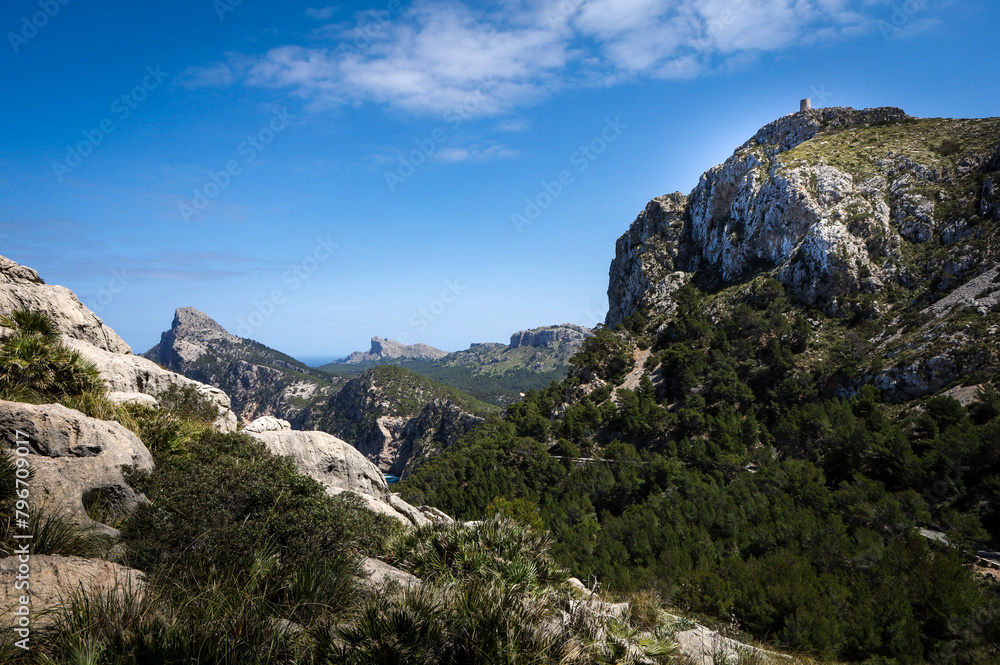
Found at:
<point>339,467</point>
<point>267,424</point>
<point>54,579</point>
<point>820,227</point>
<point>22,288</point>
<point>77,460</point>
<point>127,376</point>
<point>380,576</point>
<point>857,213</point>
<point>550,337</point>
<point>387,349</point>
<point>260,381</point>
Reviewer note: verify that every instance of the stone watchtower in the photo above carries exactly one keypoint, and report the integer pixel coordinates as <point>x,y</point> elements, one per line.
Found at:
<point>805,105</point>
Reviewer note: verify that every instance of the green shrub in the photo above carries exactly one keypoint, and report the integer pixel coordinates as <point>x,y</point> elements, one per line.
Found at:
<point>188,403</point>
<point>522,511</point>
<point>226,497</point>
<point>56,533</point>
<point>499,549</point>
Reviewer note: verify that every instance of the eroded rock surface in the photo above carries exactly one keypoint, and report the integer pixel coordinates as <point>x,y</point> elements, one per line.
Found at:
<point>339,467</point>
<point>77,461</point>
<point>54,579</point>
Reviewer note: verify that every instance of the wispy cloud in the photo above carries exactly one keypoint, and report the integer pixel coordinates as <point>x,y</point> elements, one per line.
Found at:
<point>436,53</point>
<point>475,154</point>
<point>218,75</point>
<point>321,13</point>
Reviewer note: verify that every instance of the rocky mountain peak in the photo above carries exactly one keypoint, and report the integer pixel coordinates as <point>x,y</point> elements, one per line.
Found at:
<point>189,321</point>
<point>191,335</point>
<point>832,202</point>
<point>796,128</point>
<point>261,381</point>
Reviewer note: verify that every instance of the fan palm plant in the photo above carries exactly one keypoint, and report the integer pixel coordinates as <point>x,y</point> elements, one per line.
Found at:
<point>34,364</point>
<point>30,322</point>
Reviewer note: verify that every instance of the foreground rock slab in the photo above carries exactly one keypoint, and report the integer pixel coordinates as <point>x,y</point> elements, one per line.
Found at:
<point>54,579</point>
<point>339,467</point>
<point>77,460</point>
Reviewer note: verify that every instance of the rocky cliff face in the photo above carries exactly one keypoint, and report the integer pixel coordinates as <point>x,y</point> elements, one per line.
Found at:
<point>22,288</point>
<point>550,337</point>
<point>387,349</point>
<point>259,380</point>
<point>770,207</point>
<point>857,213</point>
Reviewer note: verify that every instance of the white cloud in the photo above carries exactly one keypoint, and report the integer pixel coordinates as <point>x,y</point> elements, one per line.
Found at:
<point>218,75</point>
<point>322,13</point>
<point>448,56</point>
<point>475,154</point>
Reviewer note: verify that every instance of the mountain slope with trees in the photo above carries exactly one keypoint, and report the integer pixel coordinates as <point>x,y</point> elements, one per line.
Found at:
<point>816,325</point>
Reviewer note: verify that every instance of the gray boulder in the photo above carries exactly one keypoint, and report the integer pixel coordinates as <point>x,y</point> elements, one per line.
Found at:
<point>54,579</point>
<point>22,288</point>
<point>380,575</point>
<point>129,374</point>
<point>339,467</point>
<point>77,460</point>
<point>267,424</point>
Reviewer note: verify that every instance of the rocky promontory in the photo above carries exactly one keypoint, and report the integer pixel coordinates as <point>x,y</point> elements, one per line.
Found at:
<point>259,380</point>
<point>387,349</point>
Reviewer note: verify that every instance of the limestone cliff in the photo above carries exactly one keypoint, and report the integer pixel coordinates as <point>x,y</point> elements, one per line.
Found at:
<point>128,377</point>
<point>859,214</point>
<point>551,337</point>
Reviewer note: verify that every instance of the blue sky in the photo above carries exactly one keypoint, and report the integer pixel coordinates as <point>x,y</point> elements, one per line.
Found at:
<point>438,171</point>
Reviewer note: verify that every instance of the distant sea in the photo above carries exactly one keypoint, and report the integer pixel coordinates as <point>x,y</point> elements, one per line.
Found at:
<point>318,361</point>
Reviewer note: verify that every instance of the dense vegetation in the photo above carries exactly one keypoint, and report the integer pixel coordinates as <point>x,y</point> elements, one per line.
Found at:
<point>248,561</point>
<point>757,480</point>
